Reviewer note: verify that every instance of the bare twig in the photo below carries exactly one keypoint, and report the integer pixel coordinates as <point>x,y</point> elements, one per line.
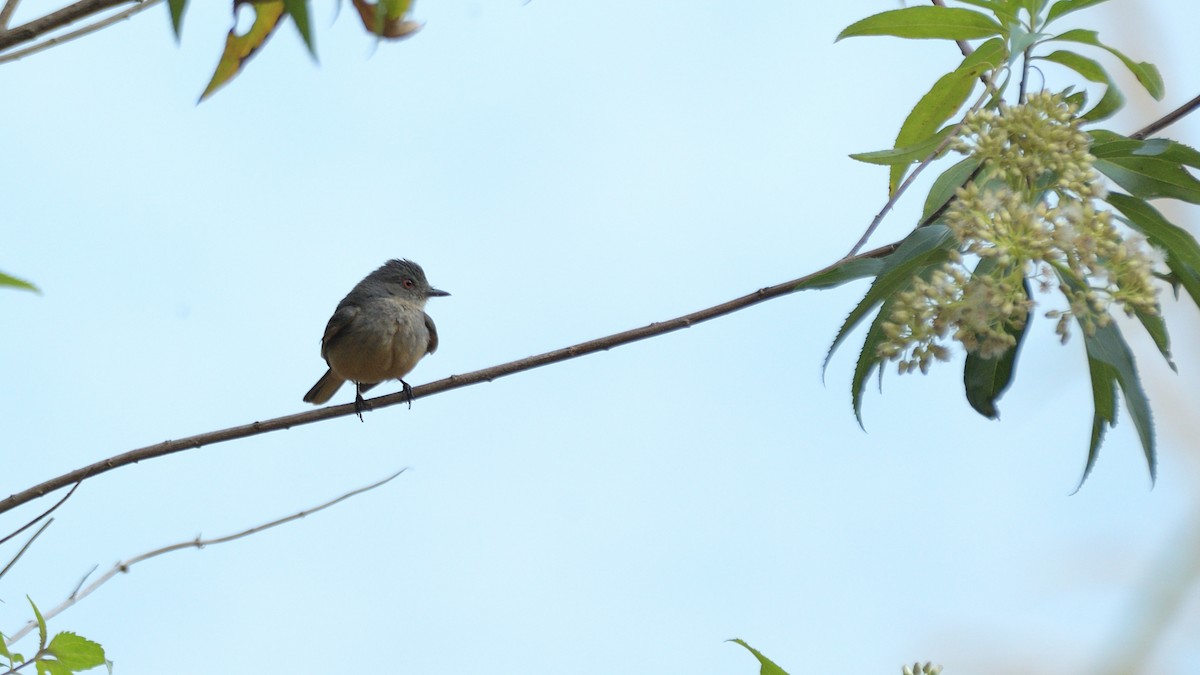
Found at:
<point>27,32</point>
<point>67,37</point>
<point>447,384</point>
<point>1168,119</point>
<point>124,565</point>
<point>45,513</point>
<point>25,547</point>
<point>6,14</point>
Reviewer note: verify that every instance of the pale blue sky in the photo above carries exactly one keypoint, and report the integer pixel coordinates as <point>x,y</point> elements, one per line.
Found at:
<point>566,170</point>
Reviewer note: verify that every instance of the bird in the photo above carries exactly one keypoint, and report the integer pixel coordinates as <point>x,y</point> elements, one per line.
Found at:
<point>378,332</point>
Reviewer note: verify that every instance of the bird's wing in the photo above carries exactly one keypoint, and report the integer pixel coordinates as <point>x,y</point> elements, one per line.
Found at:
<point>433,338</point>
<point>343,317</point>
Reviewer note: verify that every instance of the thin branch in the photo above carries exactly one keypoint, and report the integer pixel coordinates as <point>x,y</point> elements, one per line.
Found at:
<point>1168,119</point>
<point>67,37</point>
<point>66,16</point>
<point>124,565</point>
<point>47,512</point>
<point>25,547</point>
<point>447,384</point>
<point>963,45</point>
<point>6,14</point>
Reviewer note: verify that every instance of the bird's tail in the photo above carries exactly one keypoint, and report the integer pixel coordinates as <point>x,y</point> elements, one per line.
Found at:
<point>324,389</point>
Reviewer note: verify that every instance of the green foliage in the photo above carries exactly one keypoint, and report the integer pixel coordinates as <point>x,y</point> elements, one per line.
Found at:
<point>768,667</point>
<point>6,280</point>
<point>64,654</point>
<point>1031,167</point>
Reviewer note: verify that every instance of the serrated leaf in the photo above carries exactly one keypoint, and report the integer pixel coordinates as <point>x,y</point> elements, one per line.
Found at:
<point>1104,411</point>
<point>869,360</point>
<point>51,667</point>
<point>239,48</point>
<point>1151,177</point>
<point>1107,346</point>
<point>41,622</point>
<point>986,380</point>
<point>75,652</point>
<point>1146,73</point>
<point>947,184</point>
<point>945,23</point>
<point>848,271</point>
<point>767,666</point>
<point>1156,328</point>
<point>935,107</point>
<point>6,280</point>
<point>1182,250</point>
<point>298,10</point>
<point>1064,6</point>
<point>907,155</point>
<point>177,8</point>
<point>1091,70</point>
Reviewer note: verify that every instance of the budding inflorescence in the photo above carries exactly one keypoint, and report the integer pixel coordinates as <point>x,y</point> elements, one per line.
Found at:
<point>1031,216</point>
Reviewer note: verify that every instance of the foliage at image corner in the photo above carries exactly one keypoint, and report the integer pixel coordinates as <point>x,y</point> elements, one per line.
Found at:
<point>385,19</point>
<point>63,654</point>
<point>768,667</point>
<point>1015,35</point>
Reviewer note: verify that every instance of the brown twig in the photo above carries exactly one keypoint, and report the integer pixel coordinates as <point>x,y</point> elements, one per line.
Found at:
<point>124,565</point>
<point>91,28</point>
<point>6,14</point>
<point>25,547</point>
<point>447,384</point>
<point>66,16</point>
<point>963,45</point>
<point>1168,119</point>
<point>45,513</point>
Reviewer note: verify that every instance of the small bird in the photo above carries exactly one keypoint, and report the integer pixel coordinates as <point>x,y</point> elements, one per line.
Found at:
<point>378,332</point>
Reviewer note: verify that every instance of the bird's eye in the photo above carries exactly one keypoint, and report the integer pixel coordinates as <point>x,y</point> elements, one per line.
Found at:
<point>408,283</point>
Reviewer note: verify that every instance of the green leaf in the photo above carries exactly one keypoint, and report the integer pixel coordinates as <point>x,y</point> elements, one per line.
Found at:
<point>997,7</point>
<point>1063,6</point>
<point>868,358</point>
<point>1108,347</point>
<point>239,48</point>
<point>41,624</point>
<point>768,667</point>
<point>986,380</point>
<point>1104,411</point>
<point>298,9</point>
<point>938,105</point>
<point>858,268</point>
<point>1151,177</point>
<point>4,650</point>
<point>1156,327</point>
<point>944,23</point>
<point>947,184</point>
<point>905,156</point>
<point>1093,71</point>
<point>1182,250</point>
<point>75,652</point>
<point>51,667</point>
<point>1146,73</point>
<point>6,280</point>
<point>1106,144</point>
<point>177,7</point>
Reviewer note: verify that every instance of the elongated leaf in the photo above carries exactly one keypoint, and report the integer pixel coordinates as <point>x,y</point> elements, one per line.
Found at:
<point>1091,70</point>
<point>1104,411</point>
<point>298,10</point>
<point>177,8</point>
<point>846,272</point>
<point>1063,6</point>
<point>947,184</point>
<point>41,623</point>
<point>1183,252</point>
<point>904,156</point>
<point>1107,144</point>
<point>1108,346</point>
<point>239,48</point>
<point>868,358</point>
<point>6,280</point>
<point>1151,177</point>
<point>922,248</point>
<point>1001,9</point>
<point>931,112</point>
<point>1156,327</point>
<point>986,380</point>
<point>1146,73</point>
<point>947,23</point>
<point>767,666</point>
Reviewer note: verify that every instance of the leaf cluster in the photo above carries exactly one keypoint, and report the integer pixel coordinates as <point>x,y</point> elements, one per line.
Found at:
<point>64,654</point>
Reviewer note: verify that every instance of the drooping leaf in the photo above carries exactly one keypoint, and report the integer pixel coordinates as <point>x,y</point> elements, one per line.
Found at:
<point>1104,411</point>
<point>1182,250</point>
<point>6,280</point>
<point>869,359</point>
<point>858,268</point>
<point>948,23</point>
<point>1091,70</point>
<point>387,18</point>
<point>1063,6</point>
<point>75,652</point>
<point>1107,346</point>
<point>935,107</point>
<point>298,10</point>
<point>947,184</point>
<point>1146,73</point>
<point>905,156</point>
<point>1151,177</point>
<point>1156,328</point>
<point>986,380</point>
<point>767,666</point>
<point>177,8</point>
<point>239,48</point>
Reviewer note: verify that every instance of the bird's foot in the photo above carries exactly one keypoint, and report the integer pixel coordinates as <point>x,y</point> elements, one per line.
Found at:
<point>408,396</point>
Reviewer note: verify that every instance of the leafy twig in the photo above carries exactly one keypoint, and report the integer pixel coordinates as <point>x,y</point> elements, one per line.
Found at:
<point>124,565</point>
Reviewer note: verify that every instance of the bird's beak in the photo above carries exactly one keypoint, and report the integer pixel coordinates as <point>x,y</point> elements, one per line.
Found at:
<point>435,293</point>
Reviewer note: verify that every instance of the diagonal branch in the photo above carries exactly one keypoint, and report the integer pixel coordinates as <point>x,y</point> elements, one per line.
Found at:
<point>66,16</point>
<point>80,32</point>
<point>452,382</point>
<point>124,565</point>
